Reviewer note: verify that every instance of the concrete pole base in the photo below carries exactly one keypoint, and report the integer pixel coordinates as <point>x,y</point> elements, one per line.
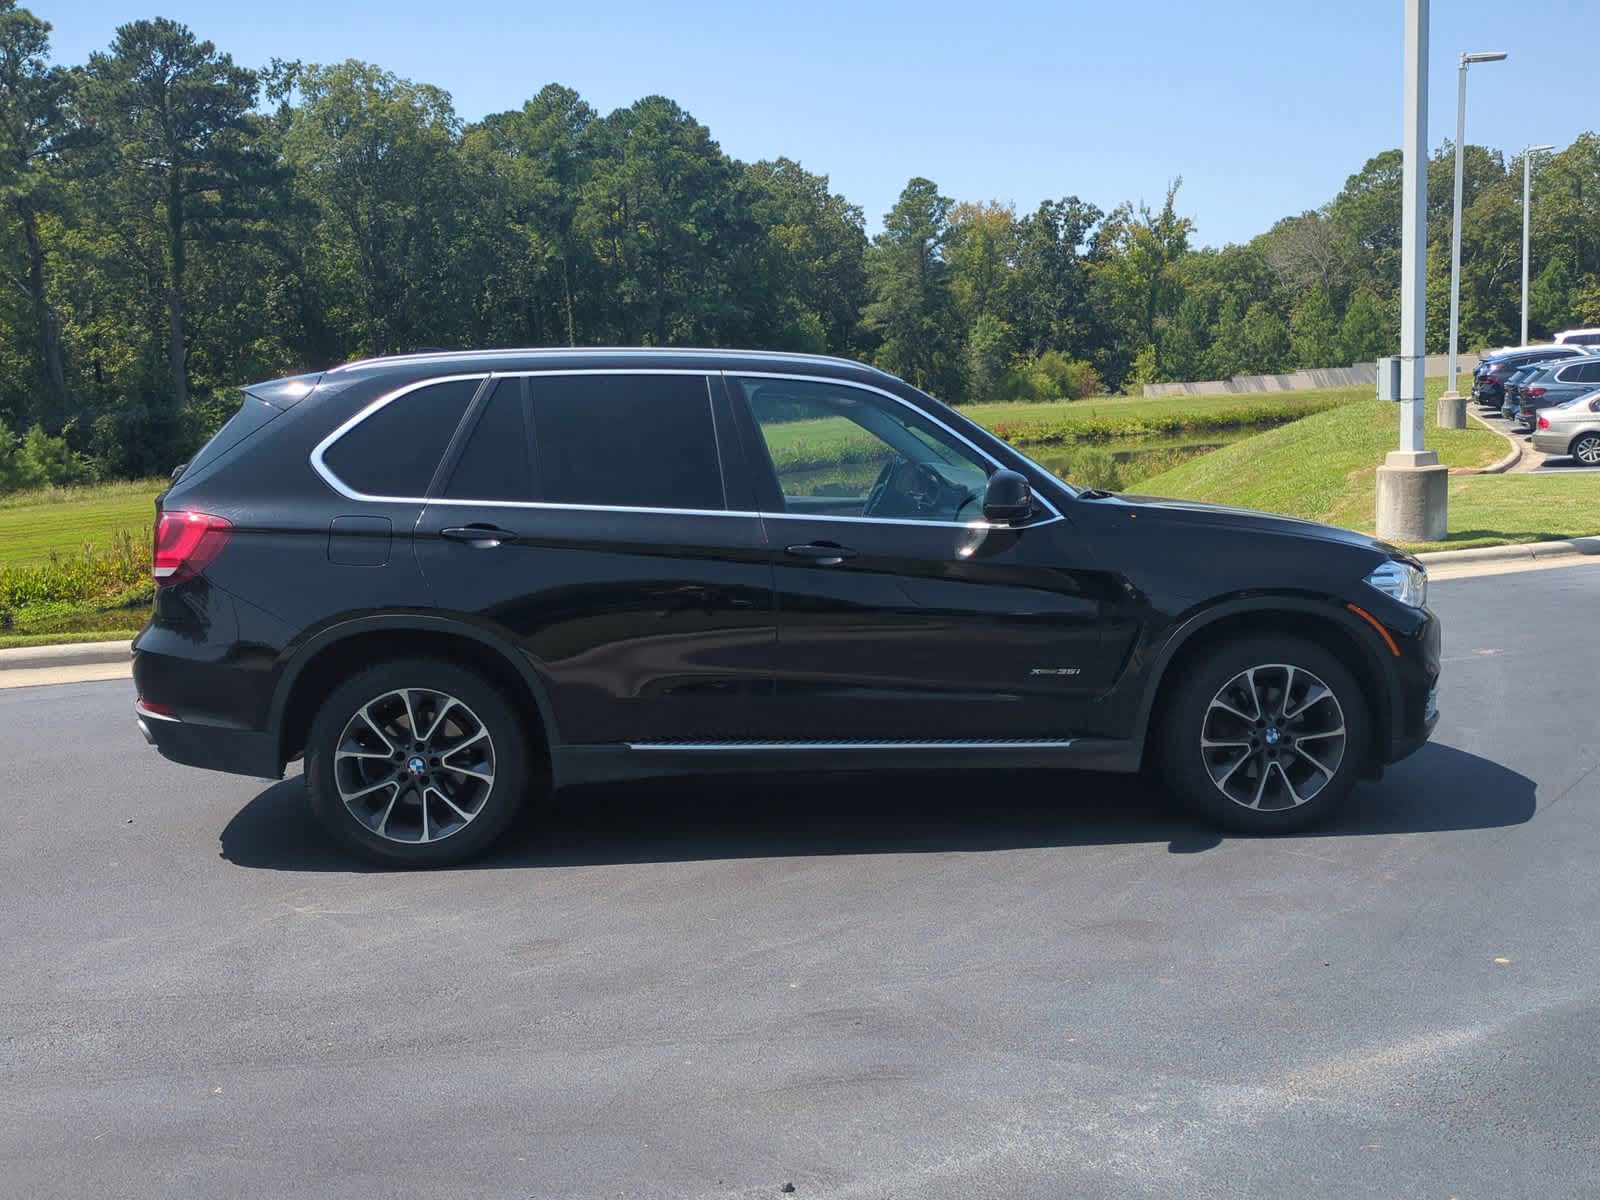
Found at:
<point>1413,497</point>
<point>1452,411</point>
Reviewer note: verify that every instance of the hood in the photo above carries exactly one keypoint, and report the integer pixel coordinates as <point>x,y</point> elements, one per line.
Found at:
<point>1222,516</point>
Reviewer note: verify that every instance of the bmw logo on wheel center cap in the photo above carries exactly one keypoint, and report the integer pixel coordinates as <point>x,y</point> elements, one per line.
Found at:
<point>1273,735</point>
<point>417,765</point>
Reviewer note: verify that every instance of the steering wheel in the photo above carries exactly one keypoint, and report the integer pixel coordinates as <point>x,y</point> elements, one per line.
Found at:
<point>918,486</point>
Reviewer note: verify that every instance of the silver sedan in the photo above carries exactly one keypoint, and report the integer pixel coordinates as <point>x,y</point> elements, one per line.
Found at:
<point>1571,428</point>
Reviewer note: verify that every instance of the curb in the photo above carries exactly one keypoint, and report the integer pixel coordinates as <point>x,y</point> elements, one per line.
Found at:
<point>73,654</point>
<point>1499,468</point>
<point>1571,547</point>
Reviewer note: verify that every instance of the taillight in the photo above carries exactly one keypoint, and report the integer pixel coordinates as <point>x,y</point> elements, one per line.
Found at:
<point>1544,422</point>
<point>187,543</point>
<point>1533,393</point>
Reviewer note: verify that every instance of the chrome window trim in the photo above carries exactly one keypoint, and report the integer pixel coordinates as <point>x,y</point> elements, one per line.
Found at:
<point>319,451</point>
<point>907,744</point>
<point>320,466</point>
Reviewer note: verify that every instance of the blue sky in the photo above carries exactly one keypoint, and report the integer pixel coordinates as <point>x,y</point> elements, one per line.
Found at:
<point>1262,106</point>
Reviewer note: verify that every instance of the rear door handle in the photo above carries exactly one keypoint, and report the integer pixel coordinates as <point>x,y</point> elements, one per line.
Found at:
<point>825,554</point>
<point>480,537</point>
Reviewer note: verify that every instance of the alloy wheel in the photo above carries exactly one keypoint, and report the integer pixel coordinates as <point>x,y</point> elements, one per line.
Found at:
<point>414,765</point>
<point>1273,737</point>
<point>1587,450</point>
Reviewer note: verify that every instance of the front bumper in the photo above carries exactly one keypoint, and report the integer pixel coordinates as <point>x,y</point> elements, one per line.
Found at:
<point>1415,704</point>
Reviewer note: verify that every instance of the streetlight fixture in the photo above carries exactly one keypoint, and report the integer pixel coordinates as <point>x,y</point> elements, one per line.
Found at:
<point>1527,187</point>
<point>1447,411</point>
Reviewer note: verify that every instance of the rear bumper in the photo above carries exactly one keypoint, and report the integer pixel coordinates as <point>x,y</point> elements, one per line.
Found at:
<point>214,747</point>
<point>1550,443</point>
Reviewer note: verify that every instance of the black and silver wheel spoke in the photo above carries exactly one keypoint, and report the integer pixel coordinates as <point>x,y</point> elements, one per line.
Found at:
<point>414,765</point>
<point>1273,737</point>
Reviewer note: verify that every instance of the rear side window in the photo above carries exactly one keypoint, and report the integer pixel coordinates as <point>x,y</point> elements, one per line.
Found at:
<point>637,441</point>
<point>1588,372</point>
<point>494,464</point>
<point>395,451</point>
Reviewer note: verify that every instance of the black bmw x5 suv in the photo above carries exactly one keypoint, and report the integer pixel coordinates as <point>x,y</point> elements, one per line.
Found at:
<point>451,581</point>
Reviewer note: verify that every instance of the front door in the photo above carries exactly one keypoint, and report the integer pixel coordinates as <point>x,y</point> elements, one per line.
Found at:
<point>585,518</point>
<point>902,615</point>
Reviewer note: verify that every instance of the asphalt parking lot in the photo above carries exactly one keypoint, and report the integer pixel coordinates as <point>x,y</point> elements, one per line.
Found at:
<point>954,986</point>
<point>1533,462</point>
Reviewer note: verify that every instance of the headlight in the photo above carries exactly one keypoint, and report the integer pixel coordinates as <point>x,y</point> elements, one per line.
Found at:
<point>1405,583</point>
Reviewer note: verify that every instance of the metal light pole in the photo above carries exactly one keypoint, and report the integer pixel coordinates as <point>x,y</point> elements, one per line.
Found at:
<point>1527,190</point>
<point>1412,484</point>
<point>1485,56</point>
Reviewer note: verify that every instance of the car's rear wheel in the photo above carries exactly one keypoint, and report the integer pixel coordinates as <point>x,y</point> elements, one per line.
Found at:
<point>1586,449</point>
<point>1265,735</point>
<point>416,762</point>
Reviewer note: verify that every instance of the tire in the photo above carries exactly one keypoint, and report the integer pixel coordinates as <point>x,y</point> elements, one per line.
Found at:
<point>452,791</point>
<point>1586,449</point>
<point>1248,765</point>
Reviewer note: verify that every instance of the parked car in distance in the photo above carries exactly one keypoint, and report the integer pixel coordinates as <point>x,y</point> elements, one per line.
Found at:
<point>1509,389</point>
<point>1489,376</point>
<point>1548,384</point>
<point>451,581</point>
<point>1578,337</point>
<point>1572,427</point>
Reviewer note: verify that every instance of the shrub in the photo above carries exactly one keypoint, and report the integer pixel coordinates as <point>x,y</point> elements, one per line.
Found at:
<point>1052,376</point>
<point>39,460</point>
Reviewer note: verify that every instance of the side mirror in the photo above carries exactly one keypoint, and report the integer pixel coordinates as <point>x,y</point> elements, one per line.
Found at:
<point>1008,499</point>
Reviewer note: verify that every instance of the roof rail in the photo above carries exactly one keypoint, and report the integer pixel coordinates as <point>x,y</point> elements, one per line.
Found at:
<point>680,351</point>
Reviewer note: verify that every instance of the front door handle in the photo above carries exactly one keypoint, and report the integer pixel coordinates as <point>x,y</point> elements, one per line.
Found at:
<point>479,537</point>
<point>824,554</point>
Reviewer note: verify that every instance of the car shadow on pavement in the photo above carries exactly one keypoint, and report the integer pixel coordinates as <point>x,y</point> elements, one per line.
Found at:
<point>1438,789</point>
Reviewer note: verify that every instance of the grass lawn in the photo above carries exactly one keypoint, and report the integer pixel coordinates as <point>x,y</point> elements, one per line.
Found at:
<point>12,641</point>
<point>1140,416</point>
<point>33,525</point>
<point>1324,468</point>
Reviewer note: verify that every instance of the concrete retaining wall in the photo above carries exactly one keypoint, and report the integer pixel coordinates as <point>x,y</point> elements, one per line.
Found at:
<point>1360,375</point>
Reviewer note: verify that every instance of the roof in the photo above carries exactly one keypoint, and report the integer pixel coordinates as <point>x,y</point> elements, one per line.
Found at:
<point>620,357</point>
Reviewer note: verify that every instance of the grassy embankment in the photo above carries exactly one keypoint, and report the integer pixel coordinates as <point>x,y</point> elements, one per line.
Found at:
<point>1324,468</point>
<point>75,562</point>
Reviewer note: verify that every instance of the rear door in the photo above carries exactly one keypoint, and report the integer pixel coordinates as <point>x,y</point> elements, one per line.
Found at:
<point>901,613</point>
<point>585,516</point>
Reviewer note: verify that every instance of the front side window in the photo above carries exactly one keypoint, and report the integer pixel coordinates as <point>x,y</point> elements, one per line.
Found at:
<point>845,452</point>
<point>395,451</point>
<point>635,441</point>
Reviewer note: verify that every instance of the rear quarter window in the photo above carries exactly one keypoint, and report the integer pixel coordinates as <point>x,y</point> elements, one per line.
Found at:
<point>396,449</point>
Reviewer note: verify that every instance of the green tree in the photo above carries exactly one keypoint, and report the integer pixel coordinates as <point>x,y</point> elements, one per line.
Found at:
<point>35,133</point>
<point>912,312</point>
<point>1315,331</point>
<point>656,212</point>
<point>1368,332</point>
<point>1053,280</point>
<point>1136,257</point>
<point>180,159</point>
<point>375,156</point>
<point>815,246</point>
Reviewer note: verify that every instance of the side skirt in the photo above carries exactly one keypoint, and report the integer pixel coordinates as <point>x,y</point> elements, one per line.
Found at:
<point>644,760</point>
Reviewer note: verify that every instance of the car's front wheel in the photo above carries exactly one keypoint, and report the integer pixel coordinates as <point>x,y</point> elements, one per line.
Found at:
<point>416,762</point>
<point>1264,735</point>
